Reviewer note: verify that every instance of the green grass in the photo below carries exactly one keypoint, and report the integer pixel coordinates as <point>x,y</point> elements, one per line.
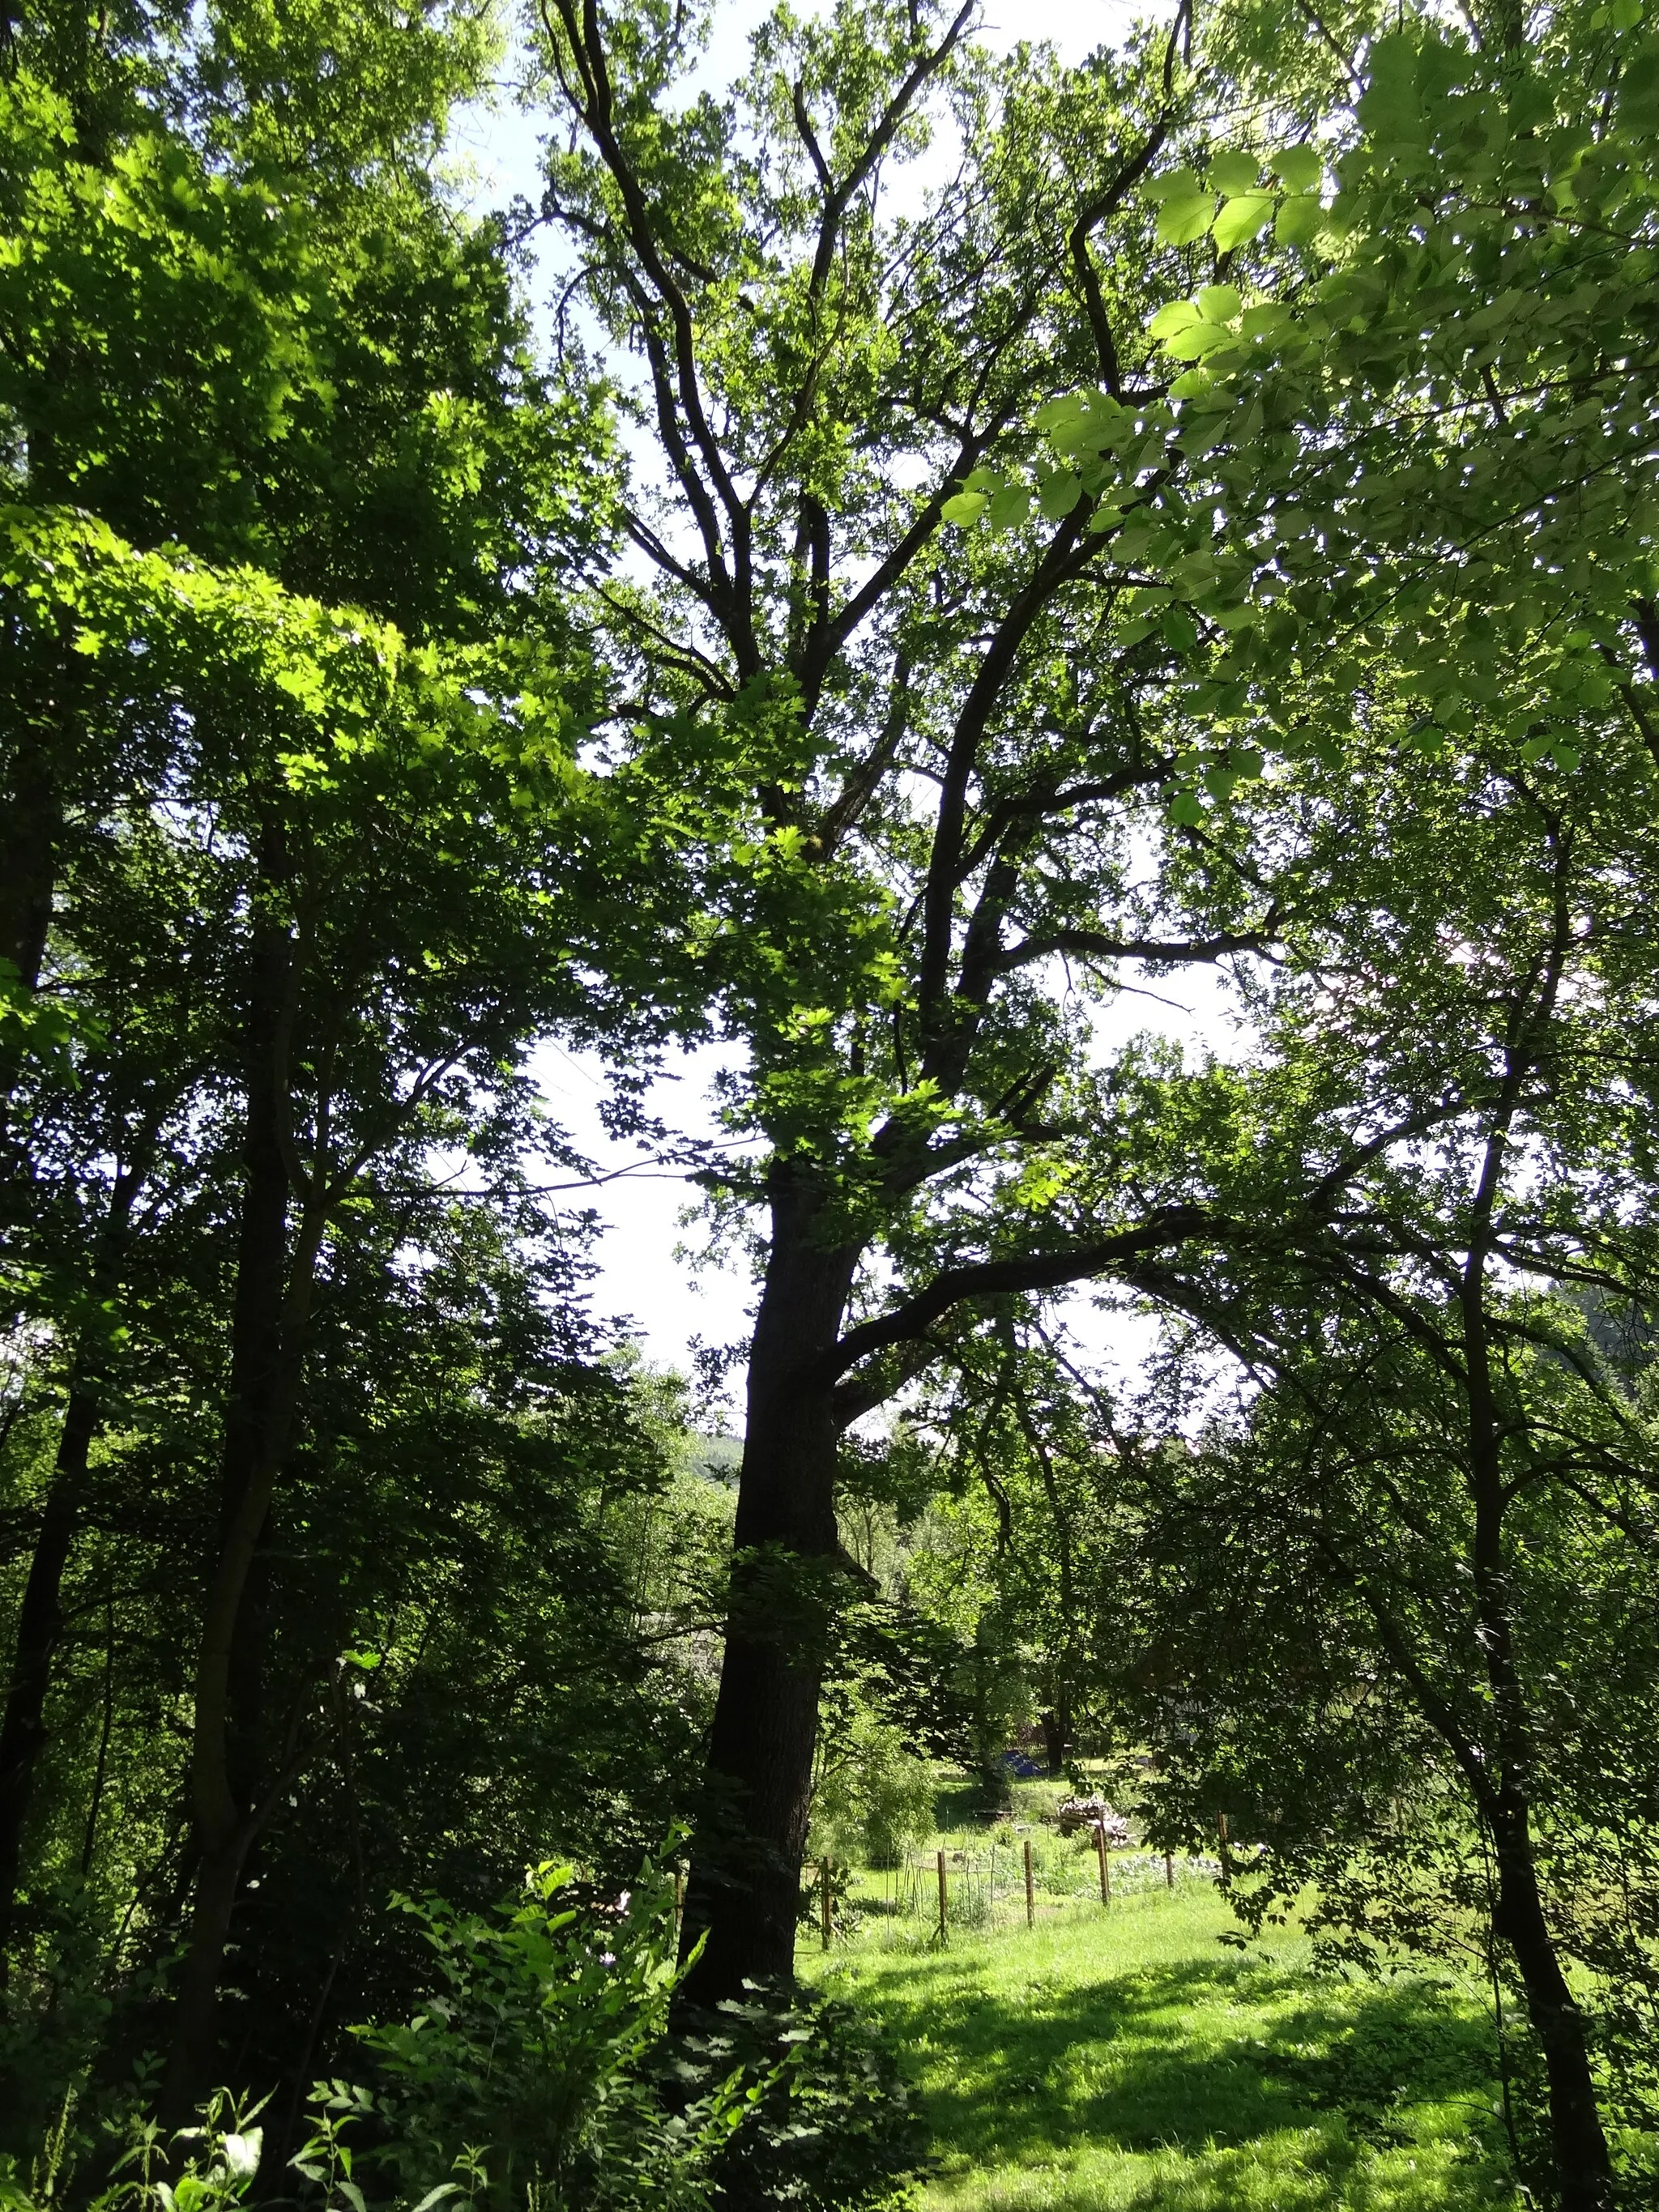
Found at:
<point>1133,2062</point>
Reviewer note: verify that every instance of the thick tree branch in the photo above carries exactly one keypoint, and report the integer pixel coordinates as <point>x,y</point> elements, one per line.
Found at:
<point>1032,1271</point>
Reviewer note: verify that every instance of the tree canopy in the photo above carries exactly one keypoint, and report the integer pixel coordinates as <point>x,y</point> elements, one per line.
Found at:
<point>967,538</point>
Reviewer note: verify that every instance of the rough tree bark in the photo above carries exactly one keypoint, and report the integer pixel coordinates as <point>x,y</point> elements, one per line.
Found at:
<point>760,1757</point>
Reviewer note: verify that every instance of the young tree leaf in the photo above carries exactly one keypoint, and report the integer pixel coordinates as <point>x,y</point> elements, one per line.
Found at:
<point>1240,219</point>
<point>1182,221</point>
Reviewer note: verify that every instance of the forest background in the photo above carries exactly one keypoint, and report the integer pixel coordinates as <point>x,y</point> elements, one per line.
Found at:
<point>1202,520</point>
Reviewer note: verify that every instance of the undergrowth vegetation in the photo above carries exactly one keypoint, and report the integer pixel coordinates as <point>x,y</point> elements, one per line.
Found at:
<point>1139,2060</point>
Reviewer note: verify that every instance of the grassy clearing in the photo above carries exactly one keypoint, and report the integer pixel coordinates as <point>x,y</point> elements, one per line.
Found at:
<point>1134,2061</point>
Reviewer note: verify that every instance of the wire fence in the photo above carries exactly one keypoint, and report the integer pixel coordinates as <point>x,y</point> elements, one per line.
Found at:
<point>999,1886</point>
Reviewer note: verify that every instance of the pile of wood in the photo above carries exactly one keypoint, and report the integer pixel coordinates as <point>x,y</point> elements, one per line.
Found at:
<point>1074,1812</point>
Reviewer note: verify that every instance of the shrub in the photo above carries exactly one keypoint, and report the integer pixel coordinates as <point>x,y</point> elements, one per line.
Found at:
<point>544,2075</point>
<point>833,2127</point>
<point>874,1800</point>
<point>529,2076</point>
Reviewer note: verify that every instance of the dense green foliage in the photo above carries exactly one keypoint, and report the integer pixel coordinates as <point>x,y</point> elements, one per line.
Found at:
<point>984,532</point>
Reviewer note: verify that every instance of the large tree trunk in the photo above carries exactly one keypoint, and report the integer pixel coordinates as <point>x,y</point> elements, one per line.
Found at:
<point>266,1314</point>
<point>745,1884</point>
<point>1057,1725</point>
<point>23,1733</point>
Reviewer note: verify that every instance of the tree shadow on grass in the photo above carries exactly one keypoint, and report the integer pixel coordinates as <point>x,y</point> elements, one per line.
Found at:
<point>1113,2063</point>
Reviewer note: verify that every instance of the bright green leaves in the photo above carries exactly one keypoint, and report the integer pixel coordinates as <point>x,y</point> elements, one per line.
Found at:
<point>1214,319</point>
<point>1186,210</point>
<point>1009,507</point>
<point>990,497</point>
<point>1184,207</point>
<point>1214,773</point>
<point>1232,172</point>
<point>1058,493</point>
<point>1242,219</point>
<point>1390,109</point>
<point>1082,424</point>
<point>1300,218</point>
<point>1087,431</point>
<point>974,497</point>
<point>1189,329</point>
<point>1299,169</point>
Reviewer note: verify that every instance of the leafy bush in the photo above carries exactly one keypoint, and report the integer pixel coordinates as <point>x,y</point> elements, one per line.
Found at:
<point>874,1800</point>
<point>833,2127</point>
<point>530,2075</point>
<point>210,2168</point>
<point>543,2073</point>
<point>542,2076</point>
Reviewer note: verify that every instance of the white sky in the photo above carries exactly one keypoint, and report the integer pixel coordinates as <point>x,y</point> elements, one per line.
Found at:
<point>648,1252</point>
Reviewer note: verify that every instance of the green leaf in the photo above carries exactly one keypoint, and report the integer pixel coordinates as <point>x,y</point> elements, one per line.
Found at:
<point>1057,495</point>
<point>1234,172</point>
<point>1010,508</point>
<point>1241,220</point>
<point>1389,111</point>
<point>1053,412</point>
<point>1180,222</point>
<point>967,506</point>
<point>1299,221</point>
<point>1219,303</point>
<point>1264,319</point>
<point>1196,340</point>
<point>1299,169</point>
<point>1173,185</point>
<point>1186,809</point>
<point>1164,323</point>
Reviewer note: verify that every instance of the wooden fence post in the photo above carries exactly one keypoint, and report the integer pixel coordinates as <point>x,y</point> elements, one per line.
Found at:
<point>1030,1890</point>
<point>943,1907</point>
<point>824,1899</point>
<point>1105,1866</point>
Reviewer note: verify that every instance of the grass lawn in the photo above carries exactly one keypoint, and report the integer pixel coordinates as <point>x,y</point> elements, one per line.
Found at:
<point>1133,2062</point>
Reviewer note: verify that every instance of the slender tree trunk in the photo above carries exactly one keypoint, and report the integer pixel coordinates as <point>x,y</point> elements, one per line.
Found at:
<point>1583,2167</point>
<point>265,1319</point>
<point>745,1882</point>
<point>28,854</point>
<point>23,1735</point>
